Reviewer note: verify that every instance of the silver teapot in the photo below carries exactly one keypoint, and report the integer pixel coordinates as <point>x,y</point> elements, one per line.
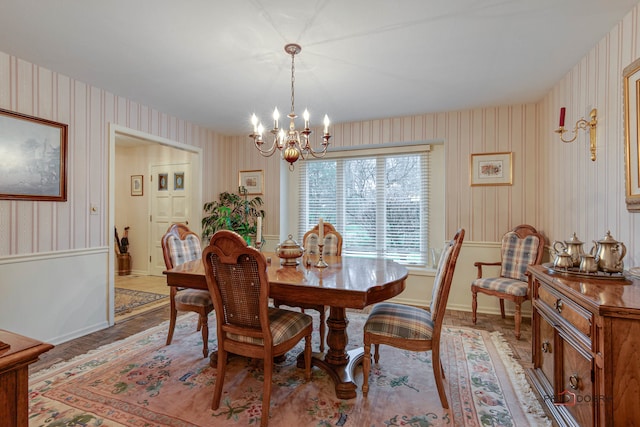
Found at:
<point>573,246</point>
<point>609,253</point>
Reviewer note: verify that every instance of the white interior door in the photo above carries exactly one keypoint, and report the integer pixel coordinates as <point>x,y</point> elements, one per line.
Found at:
<point>170,202</point>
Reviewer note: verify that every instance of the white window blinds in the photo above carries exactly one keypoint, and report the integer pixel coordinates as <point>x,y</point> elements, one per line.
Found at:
<point>379,203</point>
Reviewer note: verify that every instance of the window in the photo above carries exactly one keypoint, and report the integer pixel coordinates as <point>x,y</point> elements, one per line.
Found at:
<point>378,202</point>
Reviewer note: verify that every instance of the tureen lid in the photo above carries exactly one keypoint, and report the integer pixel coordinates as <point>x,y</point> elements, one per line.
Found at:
<point>289,243</point>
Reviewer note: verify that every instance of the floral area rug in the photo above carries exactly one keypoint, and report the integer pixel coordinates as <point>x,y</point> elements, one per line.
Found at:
<point>142,382</point>
<point>126,300</point>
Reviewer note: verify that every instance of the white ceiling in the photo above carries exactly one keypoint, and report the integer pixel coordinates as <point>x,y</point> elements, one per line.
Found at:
<point>214,62</point>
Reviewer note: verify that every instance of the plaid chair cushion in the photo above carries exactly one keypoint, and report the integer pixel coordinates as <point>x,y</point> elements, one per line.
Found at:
<point>194,297</point>
<point>330,244</point>
<point>517,254</point>
<point>503,284</point>
<point>284,324</point>
<point>185,250</point>
<point>400,321</point>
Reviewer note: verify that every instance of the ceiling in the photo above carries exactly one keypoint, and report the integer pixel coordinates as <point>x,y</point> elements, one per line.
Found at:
<point>214,62</point>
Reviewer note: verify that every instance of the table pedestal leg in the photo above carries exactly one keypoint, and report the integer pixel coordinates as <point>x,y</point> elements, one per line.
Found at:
<point>337,362</point>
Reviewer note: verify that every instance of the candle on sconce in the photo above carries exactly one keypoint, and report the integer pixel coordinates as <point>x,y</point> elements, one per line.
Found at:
<point>562,113</point>
<point>276,116</point>
<point>321,231</point>
<point>259,230</point>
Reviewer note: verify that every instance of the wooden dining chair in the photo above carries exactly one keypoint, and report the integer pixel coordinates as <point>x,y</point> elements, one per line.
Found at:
<point>413,328</point>
<point>332,246</point>
<point>179,245</point>
<point>521,247</point>
<point>237,279</point>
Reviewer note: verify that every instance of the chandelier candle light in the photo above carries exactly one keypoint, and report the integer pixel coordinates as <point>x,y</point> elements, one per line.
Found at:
<point>293,144</point>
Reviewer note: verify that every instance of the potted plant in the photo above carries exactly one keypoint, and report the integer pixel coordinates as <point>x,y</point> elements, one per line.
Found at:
<point>234,212</point>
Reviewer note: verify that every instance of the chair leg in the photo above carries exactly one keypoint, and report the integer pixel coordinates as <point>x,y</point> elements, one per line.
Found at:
<point>474,305</point>
<point>376,353</point>
<point>502,307</point>
<point>172,321</point>
<point>205,333</point>
<point>307,358</point>
<point>217,391</point>
<point>322,328</point>
<point>518,319</point>
<point>366,367</point>
<point>266,394</point>
<point>438,373</point>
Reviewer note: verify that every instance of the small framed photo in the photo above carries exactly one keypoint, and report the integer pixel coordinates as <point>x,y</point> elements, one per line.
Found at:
<point>491,169</point>
<point>178,181</point>
<point>137,185</point>
<point>252,181</point>
<point>163,182</point>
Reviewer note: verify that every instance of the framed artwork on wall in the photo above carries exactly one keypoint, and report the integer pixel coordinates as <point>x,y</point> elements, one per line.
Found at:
<point>631,95</point>
<point>137,185</point>
<point>34,158</point>
<point>491,169</point>
<point>252,181</point>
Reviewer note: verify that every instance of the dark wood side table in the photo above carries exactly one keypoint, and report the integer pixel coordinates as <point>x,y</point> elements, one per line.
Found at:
<point>14,376</point>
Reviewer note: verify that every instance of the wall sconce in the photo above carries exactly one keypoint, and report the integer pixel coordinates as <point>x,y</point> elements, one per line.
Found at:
<point>581,124</point>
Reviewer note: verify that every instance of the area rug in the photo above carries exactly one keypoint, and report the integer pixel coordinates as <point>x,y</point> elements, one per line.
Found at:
<point>127,300</point>
<point>142,382</point>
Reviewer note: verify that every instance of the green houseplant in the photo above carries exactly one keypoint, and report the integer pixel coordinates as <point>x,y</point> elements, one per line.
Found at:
<point>234,212</point>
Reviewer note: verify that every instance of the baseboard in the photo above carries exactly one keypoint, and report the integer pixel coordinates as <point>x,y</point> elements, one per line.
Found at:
<point>79,333</point>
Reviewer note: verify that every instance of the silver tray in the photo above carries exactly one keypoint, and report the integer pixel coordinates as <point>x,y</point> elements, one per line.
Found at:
<point>574,271</point>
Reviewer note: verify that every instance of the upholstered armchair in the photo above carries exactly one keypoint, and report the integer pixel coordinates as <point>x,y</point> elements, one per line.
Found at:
<point>520,247</point>
<point>332,246</point>
<point>179,245</point>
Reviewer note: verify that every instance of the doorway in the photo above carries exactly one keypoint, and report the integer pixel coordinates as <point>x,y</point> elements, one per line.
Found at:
<point>132,155</point>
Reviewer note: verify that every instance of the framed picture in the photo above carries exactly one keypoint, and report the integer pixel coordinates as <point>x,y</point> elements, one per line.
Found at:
<point>137,185</point>
<point>631,89</point>
<point>252,181</point>
<point>163,182</point>
<point>178,181</point>
<point>34,158</point>
<point>491,169</point>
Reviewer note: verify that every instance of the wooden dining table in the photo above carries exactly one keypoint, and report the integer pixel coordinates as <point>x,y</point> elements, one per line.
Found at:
<point>347,282</point>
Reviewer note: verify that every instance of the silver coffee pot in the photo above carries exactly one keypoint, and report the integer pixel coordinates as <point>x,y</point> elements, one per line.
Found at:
<point>609,253</point>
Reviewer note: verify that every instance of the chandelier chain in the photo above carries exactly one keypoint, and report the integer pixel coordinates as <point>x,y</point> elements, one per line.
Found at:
<point>293,79</point>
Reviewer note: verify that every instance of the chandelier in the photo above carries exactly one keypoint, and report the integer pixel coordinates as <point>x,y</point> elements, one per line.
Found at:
<point>292,143</point>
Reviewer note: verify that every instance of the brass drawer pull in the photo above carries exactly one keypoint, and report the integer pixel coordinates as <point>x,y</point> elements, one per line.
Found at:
<point>559,305</point>
<point>546,347</point>
<point>573,381</point>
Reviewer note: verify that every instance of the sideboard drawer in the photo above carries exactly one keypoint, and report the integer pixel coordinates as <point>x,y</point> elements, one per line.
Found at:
<point>578,317</point>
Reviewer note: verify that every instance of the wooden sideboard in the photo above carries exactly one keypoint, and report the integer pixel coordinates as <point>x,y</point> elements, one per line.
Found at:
<point>14,376</point>
<point>586,348</point>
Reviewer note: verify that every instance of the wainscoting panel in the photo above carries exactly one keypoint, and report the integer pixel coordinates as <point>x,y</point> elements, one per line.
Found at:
<point>56,296</point>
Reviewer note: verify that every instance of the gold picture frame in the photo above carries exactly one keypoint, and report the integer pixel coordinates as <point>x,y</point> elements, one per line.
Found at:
<point>631,96</point>
<point>137,185</point>
<point>252,181</point>
<point>38,151</point>
<point>491,169</point>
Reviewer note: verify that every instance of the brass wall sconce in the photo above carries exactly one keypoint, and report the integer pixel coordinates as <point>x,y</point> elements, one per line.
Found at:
<point>581,124</point>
